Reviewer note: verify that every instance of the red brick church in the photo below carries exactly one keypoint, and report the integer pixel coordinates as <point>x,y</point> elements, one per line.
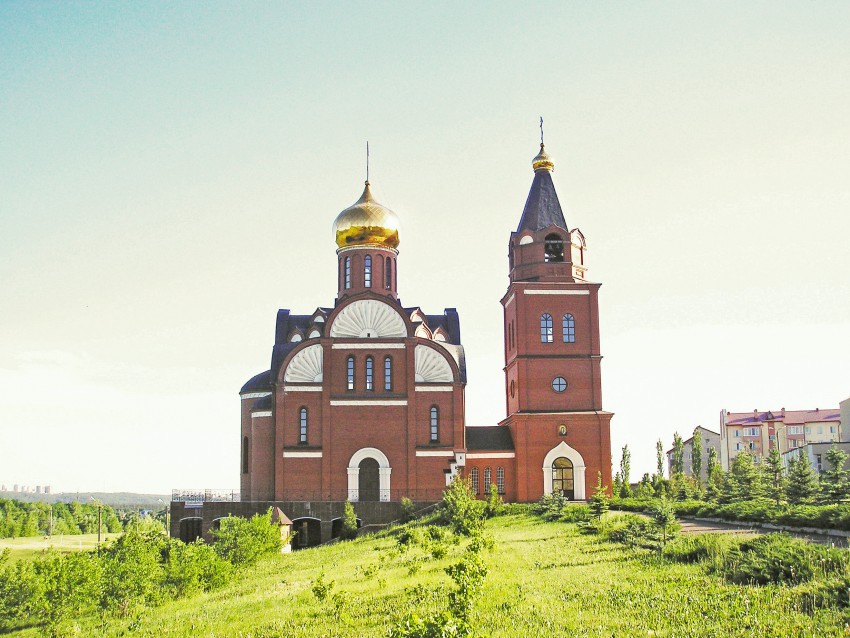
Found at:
<point>364,400</point>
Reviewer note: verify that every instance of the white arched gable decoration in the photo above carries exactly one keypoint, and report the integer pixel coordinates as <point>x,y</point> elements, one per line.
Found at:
<point>368,318</point>
<point>384,471</point>
<point>440,334</point>
<point>306,366</point>
<point>432,366</point>
<point>314,334</point>
<point>422,331</point>
<point>526,240</point>
<point>562,449</point>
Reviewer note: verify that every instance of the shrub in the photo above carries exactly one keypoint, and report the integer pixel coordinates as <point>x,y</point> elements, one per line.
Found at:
<point>244,541</point>
<point>494,505</point>
<point>407,509</point>
<point>321,589</point>
<point>461,510</point>
<point>665,518</point>
<point>133,573</point>
<point>194,567</point>
<point>348,530</point>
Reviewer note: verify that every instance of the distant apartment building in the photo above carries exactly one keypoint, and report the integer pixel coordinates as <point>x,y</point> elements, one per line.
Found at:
<point>817,455</point>
<point>710,439</point>
<point>757,432</point>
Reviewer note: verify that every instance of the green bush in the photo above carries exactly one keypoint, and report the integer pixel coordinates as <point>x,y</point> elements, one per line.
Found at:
<point>244,541</point>
<point>461,510</point>
<point>348,530</point>
<point>779,558</point>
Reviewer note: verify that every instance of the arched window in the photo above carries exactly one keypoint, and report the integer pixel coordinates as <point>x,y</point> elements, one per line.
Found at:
<point>500,480</point>
<point>367,271</point>
<point>553,248</point>
<point>350,372</point>
<point>473,479</point>
<point>388,275</point>
<point>562,478</point>
<point>302,417</point>
<point>347,273</point>
<point>568,323</point>
<point>435,424</point>
<point>546,328</point>
<point>370,374</point>
<point>511,256</point>
<point>388,374</point>
<point>488,476</point>
<point>245,455</point>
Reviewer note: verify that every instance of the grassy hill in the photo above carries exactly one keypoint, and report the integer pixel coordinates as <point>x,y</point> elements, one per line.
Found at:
<point>545,579</point>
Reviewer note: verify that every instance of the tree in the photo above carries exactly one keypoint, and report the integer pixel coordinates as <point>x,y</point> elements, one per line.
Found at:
<point>644,489</point>
<point>835,480</point>
<point>461,509</point>
<point>714,476</point>
<point>245,541</point>
<point>774,475</point>
<point>696,456</point>
<point>600,501</point>
<point>678,466</point>
<point>803,484</point>
<point>664,516</point>
<point>659,458</point>
<point>348,530</point>
<point>625,490</point>
<point>743,480</point>
<point>617,487</point>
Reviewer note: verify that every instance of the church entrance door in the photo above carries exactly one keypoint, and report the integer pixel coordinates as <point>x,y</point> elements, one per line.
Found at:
<point>370,482</point>
<point>562,478</point>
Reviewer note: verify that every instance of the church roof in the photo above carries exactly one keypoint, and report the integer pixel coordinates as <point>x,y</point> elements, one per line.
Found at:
<point>493,437</point>
<point>542,208</point>
<point>258,383</point>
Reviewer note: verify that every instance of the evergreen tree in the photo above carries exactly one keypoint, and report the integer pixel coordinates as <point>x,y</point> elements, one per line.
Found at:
<point>644,489</point>
<point>774,475</point>
<point>678,466</point>
<point>696,456</point>
<point>743,480</point>
<point>835,480</point>
<point>659,458</point>
<point>625,490</point>
<point>348,531</point>
<point>600,501</point>
<point>714,474</point>
<point>803,484</point>
<point>617,487</point>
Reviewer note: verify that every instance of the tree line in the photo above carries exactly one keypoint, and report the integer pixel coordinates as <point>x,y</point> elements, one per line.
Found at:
<point>19,518</point>
<point>747,479</point>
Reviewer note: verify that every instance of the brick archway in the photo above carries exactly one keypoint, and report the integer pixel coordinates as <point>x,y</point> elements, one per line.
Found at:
<point>384,471</point>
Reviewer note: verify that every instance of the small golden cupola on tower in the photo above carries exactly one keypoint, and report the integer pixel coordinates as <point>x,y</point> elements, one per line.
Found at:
<point>367,223</point>
<point>542,162</point>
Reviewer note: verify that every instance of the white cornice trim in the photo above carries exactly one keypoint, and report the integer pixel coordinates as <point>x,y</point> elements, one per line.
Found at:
<point>491,455</point>
<point>369,345</point>
<point>434,388</point>
<point>556,292</point>
<point>302,388</point>
<point>434,453</point>
<point>255,395</point>
<point>287,454</point>
<point>339,402</point>
<point>255,415</point>
<point>510,299</point>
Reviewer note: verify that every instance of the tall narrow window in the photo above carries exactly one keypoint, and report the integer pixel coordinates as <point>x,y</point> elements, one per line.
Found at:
<point>546,328</point>
<point>553,248</point>
<point>245,455</point>
<point>500,480</point>
<point>388,374</point>
<point>367,271</point>
<point>347,273</point>
<point>473,478</point>
<point>370,373</point>
<point>302,434</point>
<point>388,275</point>
<point>435,424</point>
<point>488,476</point>
<point>568,323</point>
<point>350,371</point>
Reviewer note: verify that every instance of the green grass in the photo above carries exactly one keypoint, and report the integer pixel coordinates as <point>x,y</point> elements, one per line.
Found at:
<point>26,548</point>
<point>545,579</point>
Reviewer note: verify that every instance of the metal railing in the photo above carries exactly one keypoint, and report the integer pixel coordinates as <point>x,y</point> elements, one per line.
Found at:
<point>205,496</point>
<point>392,495</point>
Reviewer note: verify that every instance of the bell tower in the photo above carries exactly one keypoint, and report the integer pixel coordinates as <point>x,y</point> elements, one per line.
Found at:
<point>553,384</point>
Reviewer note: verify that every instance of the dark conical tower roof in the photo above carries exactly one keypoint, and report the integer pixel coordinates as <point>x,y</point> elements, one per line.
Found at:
<point>542,208</point>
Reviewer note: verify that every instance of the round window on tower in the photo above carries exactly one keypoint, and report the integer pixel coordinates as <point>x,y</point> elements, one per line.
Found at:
<point>559,384</point>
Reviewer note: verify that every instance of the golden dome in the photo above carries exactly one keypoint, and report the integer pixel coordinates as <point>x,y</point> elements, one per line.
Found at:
<point>366,223</point>
<point>543,162</point>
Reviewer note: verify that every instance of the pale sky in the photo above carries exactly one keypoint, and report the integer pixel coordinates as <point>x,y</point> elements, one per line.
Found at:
<point>169,174</point>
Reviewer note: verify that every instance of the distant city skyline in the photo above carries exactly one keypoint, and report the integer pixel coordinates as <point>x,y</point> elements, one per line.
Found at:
<point>169,174</point>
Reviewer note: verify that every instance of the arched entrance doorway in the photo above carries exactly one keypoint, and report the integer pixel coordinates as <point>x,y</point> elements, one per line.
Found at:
<point>369,476</point>
<point>308,532</point>
<point>562,478</point>
<point>563,470</point>
<point>190,529</point>
<point>370,485</point>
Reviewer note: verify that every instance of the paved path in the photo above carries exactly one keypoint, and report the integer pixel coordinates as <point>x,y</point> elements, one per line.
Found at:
<point>694,526</point>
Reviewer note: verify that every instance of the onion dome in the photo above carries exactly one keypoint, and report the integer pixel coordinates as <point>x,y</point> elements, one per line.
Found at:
<point>543,162</point>
<point>367,223</point>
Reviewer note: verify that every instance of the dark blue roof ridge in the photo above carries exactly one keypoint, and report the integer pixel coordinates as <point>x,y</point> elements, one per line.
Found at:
<point>542,208</point>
